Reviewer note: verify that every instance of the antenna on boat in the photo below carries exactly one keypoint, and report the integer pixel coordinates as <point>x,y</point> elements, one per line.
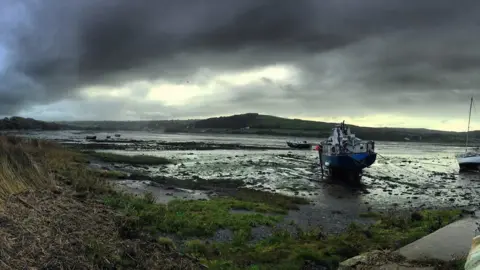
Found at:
<point>468,128</point>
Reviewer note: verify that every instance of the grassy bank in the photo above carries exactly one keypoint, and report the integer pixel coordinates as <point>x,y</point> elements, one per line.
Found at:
<point>70,217</point>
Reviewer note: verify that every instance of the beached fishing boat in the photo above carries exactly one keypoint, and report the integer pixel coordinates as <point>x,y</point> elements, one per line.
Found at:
<point>344,155</point>
<point>299,145</point>
<point>470,160</point>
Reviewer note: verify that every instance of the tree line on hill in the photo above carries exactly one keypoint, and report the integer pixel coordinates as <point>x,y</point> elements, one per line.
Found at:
<point>20,123</point>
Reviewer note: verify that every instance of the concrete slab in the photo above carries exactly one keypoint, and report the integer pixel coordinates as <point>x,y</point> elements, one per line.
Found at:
<point>451,241</point>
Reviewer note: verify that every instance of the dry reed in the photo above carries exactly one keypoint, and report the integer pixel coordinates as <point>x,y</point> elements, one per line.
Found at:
<point>22,166</point>
<point>51,216</point>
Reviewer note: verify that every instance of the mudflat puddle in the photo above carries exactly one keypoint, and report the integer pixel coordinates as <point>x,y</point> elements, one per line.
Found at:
<point>160,194</point>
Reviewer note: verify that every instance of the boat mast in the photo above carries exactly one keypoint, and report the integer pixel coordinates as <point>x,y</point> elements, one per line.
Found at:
<point>469,117</point>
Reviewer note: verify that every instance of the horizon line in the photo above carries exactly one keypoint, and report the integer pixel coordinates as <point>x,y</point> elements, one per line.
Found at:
<point>290,118</point>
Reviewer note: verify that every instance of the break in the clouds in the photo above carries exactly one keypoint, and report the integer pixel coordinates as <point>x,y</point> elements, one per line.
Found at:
<point>93,59</point>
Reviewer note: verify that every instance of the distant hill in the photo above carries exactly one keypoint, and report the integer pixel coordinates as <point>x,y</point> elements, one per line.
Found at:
<point>20,123</point>
<point>157,125</point>
<point>254,123</point>
<point>255,120</point>
<point>265,124</point>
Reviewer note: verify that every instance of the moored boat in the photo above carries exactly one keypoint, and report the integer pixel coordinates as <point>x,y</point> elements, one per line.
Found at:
<point>470,160</point>
<point>344,155</point>
<point>299,145</point>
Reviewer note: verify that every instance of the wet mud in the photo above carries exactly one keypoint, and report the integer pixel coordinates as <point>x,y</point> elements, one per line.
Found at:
<point>405,175</point>
<point>134,145</point>
<point>162,194</point>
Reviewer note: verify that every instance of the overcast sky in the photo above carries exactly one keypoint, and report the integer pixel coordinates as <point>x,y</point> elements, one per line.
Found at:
<point>404,63</point>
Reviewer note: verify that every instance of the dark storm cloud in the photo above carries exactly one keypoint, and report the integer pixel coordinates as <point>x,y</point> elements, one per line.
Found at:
<point>364,47</point>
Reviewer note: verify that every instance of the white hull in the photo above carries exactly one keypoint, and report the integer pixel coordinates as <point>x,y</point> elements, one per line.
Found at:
<point>469,160</point>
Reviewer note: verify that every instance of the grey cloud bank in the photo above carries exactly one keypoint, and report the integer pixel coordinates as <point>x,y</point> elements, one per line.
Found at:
<point>354,57</point>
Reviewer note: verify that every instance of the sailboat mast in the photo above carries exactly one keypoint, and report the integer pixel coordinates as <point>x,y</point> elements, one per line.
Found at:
<point>469,117</point>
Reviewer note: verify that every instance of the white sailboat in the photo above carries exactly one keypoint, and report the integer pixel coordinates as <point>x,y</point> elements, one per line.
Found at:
<point>470,160</point>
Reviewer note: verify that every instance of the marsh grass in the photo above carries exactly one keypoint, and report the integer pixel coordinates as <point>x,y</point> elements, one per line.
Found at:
<point>190,218</point>
<point>70,170</point>
<point>22,166</point>
<point>283,250</point>
<point>166,243</point>
<point>275,200</point>
<point>110,174</point>
<point>30,164</point>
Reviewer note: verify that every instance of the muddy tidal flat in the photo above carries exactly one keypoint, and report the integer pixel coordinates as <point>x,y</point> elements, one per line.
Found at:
<point>405,175</point>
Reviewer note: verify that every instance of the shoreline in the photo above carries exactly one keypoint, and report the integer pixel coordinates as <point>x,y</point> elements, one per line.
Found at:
<point>455,143</point>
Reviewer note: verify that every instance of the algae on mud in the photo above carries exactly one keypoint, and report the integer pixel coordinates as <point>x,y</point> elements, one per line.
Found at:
<point>191,218</point>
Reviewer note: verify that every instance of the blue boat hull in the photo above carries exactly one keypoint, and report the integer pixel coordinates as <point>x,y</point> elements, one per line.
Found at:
<point>351,162</point>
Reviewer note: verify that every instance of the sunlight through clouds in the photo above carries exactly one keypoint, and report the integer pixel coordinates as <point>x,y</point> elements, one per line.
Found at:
<point>181,94</point>
<point>106,92</point>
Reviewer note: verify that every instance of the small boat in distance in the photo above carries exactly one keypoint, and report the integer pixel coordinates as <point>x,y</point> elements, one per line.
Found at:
<point>470,160</point>
<point>117,135</point>
<point>344,155</point>
<point>91,138</point>
<point>299,145</point>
